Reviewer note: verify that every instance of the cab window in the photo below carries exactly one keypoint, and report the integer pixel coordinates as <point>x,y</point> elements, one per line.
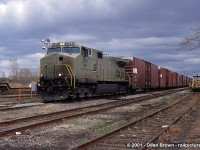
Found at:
<point>85,52</point>
<point>71,49</point>
<point>54,50</point>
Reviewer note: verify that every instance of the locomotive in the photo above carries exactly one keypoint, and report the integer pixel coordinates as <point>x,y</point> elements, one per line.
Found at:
<point>71,70</point>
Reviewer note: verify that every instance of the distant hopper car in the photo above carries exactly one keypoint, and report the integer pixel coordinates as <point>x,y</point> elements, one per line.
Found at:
<point>4,84</point>
<point>71,70</point>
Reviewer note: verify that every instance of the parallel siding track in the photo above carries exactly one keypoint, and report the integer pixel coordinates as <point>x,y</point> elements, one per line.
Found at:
<point>143,130</point>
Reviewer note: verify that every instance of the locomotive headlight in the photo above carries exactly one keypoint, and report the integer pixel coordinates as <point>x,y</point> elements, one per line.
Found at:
<point>59,74</point>
<point>62,43</point>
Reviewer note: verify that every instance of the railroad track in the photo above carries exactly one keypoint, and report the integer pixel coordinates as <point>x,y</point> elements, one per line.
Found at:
<point>143,131</point>
<point>14,96</point>
<point>9,127</point>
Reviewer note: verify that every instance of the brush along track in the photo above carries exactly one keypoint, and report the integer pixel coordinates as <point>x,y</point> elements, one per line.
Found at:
<point>138,133</point>
<point>11,100</point>
<point>13,92</point>
<point>22,124</point>
<point>8,102</point>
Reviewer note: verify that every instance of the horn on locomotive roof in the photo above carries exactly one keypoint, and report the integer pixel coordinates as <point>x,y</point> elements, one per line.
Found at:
<point>46,43</point>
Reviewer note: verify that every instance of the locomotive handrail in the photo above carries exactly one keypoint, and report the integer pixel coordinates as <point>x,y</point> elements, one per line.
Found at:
<point>73,75</point>
<point>70,74</point>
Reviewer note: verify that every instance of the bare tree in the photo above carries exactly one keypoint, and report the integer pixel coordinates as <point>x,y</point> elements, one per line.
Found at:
<point>2,74</point>
<point>28,75</point>
<point>35,74</point>
<point>13,68</point>
<point>192,41</point>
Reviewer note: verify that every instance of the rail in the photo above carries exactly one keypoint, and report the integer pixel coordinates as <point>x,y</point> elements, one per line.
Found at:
<point>118,136</point>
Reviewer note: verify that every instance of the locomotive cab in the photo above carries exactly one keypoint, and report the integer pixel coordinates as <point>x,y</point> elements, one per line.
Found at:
<point>56,72</point>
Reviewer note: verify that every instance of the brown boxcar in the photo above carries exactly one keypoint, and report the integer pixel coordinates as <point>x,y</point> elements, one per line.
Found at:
<point>147,75</point>
<point>170,79</point>
<point>185,81</point>
<point>180,80</point>
<point>142,74</point>
<point>154,76</point>
<point>162,77</point>
<point>175,79</point>
<point>166,78</point>
<point>135,70</point>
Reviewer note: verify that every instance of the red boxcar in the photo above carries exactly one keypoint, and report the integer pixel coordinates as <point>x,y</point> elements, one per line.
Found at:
<point>147,75</point>
<point>170,79</point>
<point>185,81</point>
<point>175,79</point>
<point>166,78</point>
<point>162,77</point>
<point>136,72</point>
<point>143,74</point>
<point>154,76</point>
<point>180,80</point>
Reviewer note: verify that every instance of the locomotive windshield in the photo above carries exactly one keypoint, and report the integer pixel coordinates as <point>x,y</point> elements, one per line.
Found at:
<point>196,78</point>
<point>71,49</point>
<point>54,50</point>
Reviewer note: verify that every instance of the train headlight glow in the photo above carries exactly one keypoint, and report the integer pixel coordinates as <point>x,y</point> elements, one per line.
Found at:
<point>59,74</point>
<point>62,43</point>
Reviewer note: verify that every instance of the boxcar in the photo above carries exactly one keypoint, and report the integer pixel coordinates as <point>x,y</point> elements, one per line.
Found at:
<point>170,79</point>
<point>175,79</point>
<point>154,76</point>
<point>143,74</point>
<point>180,80</point>
<point>136,72</point>
<point>162,77</point>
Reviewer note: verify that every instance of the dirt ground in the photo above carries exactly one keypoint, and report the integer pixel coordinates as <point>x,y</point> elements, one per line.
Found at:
<point>185,134</point>
<point>77,131</point>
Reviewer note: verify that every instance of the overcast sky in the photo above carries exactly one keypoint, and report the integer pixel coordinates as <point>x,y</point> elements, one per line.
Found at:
<point>147,29</point>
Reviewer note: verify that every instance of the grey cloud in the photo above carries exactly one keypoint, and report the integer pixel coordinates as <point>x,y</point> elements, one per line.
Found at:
<point>146,29</point>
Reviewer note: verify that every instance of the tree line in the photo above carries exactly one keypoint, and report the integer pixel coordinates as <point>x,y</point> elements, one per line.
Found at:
<point>20,75</point>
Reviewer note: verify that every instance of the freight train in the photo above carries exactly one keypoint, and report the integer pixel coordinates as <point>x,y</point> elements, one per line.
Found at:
<point>71,70</point>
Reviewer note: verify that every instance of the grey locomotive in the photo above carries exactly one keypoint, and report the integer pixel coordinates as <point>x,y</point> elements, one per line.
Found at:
<point>71,70</point>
